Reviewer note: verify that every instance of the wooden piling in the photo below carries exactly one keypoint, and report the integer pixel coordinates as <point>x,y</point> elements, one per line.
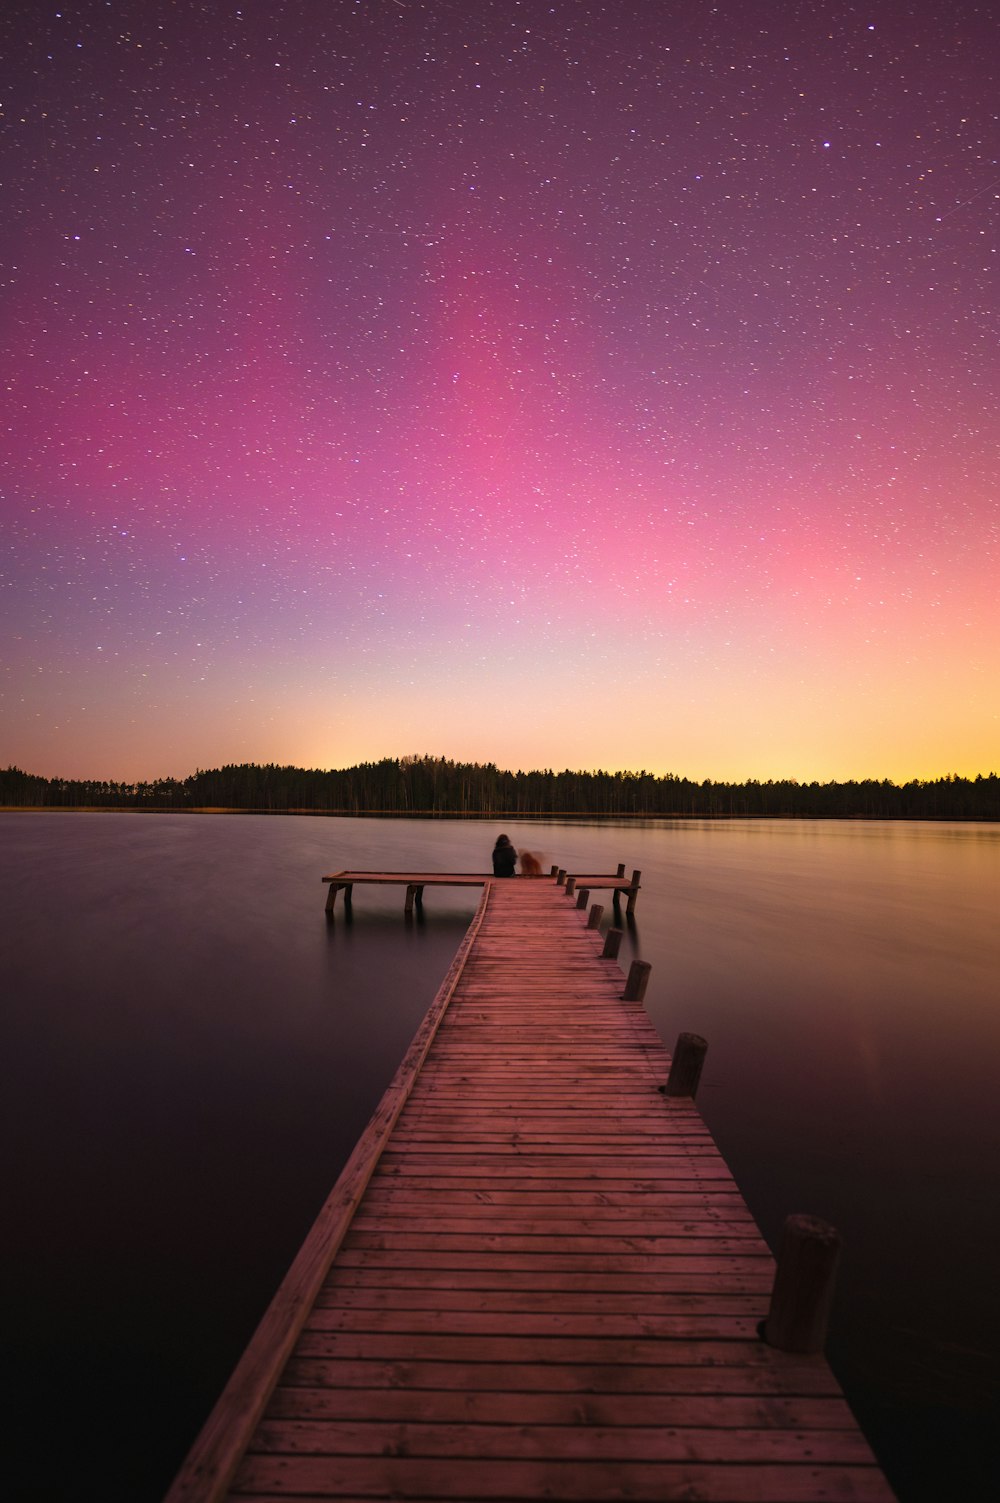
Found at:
<point>612,944</point>
<point>803,1285</point>
<point>414,895</point>
<point>633,892</point>
<point>583,897</point>
<point>638,980</point>
<point>570,886</point>
<point>685,1067</point>
<point>595,915</point>
<point>621,869</point>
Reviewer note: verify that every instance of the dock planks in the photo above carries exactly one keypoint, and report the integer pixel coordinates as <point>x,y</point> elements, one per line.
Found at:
<point>536,1278</point>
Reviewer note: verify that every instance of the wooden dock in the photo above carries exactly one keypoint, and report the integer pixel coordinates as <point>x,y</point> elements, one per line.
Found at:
<point>415,882</point>
<point>535,1278</point>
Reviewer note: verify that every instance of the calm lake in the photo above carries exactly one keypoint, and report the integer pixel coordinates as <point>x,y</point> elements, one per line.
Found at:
<point>190,1052</point>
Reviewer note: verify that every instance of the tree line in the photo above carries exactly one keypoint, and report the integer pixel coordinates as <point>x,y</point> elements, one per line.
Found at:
<point>426,785</point>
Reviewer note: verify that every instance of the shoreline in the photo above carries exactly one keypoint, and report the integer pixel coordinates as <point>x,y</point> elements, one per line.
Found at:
<point>513,816</point>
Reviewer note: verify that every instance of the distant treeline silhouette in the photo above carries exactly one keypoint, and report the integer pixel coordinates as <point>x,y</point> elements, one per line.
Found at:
<point>426,785</point>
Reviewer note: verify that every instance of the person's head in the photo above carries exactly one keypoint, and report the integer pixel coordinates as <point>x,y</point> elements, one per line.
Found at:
<point>503,840</point>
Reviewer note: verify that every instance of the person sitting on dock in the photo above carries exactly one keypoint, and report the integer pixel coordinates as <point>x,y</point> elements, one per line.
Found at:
<point>504,857</point>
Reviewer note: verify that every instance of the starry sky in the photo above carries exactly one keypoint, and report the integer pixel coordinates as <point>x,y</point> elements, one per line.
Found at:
<point>555,384</point>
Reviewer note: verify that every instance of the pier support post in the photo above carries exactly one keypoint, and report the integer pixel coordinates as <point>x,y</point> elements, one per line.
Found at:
<point>595,915</point>
<point>685,1067</point>
<point>808,1254</point>
<point>583,897</point>
<point>570,886</point>
<point>621,869</point>
<point>414,894</point>
<point>612,944</point>
<point>331,897</point>
<point>633,890</point>
<point>348,896</point>
<point>638,980</point>
<point>560,876</point>
<point>553,871</point>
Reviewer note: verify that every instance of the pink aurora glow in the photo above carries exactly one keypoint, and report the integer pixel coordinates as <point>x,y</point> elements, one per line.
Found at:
<point>546,384</point>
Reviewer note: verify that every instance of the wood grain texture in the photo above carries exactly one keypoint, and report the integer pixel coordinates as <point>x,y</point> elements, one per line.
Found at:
<point>547,1284</point>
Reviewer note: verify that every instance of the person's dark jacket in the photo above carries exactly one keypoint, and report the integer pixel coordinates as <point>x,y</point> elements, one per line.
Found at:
<point>504,859</point>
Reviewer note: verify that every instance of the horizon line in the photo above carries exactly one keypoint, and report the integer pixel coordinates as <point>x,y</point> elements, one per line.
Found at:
<point>623,772</point>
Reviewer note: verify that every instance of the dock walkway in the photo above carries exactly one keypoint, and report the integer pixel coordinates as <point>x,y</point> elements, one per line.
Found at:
<point>536,1277</point>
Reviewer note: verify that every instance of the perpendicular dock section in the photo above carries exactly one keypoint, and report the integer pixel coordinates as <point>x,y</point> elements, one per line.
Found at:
<point>415,882</point>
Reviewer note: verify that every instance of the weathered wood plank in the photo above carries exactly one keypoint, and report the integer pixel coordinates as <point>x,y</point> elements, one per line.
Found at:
<point>711,1379</point>
<point>668,1322</point>
<point>408,1215</point>
<point>437,1404</point>
<point>649,1351</point>
<point>625,1264</point>
<point>631,1442</point>
<point>544,1167</point>
<point>404,1197</point>
<point>695,1221</point>
<point>697,1275</point>
<point>309,1478</point>
<point>714,1295</point>
<point>499,1244</point>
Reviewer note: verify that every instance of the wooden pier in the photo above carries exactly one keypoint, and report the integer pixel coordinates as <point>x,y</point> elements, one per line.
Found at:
<point>535,1278</point>
<point>415,882</point>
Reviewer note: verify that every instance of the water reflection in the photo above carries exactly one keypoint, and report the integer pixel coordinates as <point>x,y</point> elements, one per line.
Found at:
<point>192,1051</point>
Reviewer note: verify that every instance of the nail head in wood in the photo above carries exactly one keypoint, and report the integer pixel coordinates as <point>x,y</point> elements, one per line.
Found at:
<point>808,1254</point>
<point>685,1067</point>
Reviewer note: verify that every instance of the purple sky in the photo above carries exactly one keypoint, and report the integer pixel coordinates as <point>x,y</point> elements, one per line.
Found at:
<point>563,384</point>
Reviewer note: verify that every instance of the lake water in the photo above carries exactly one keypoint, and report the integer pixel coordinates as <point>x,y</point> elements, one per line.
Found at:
<point>190,1052</point>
